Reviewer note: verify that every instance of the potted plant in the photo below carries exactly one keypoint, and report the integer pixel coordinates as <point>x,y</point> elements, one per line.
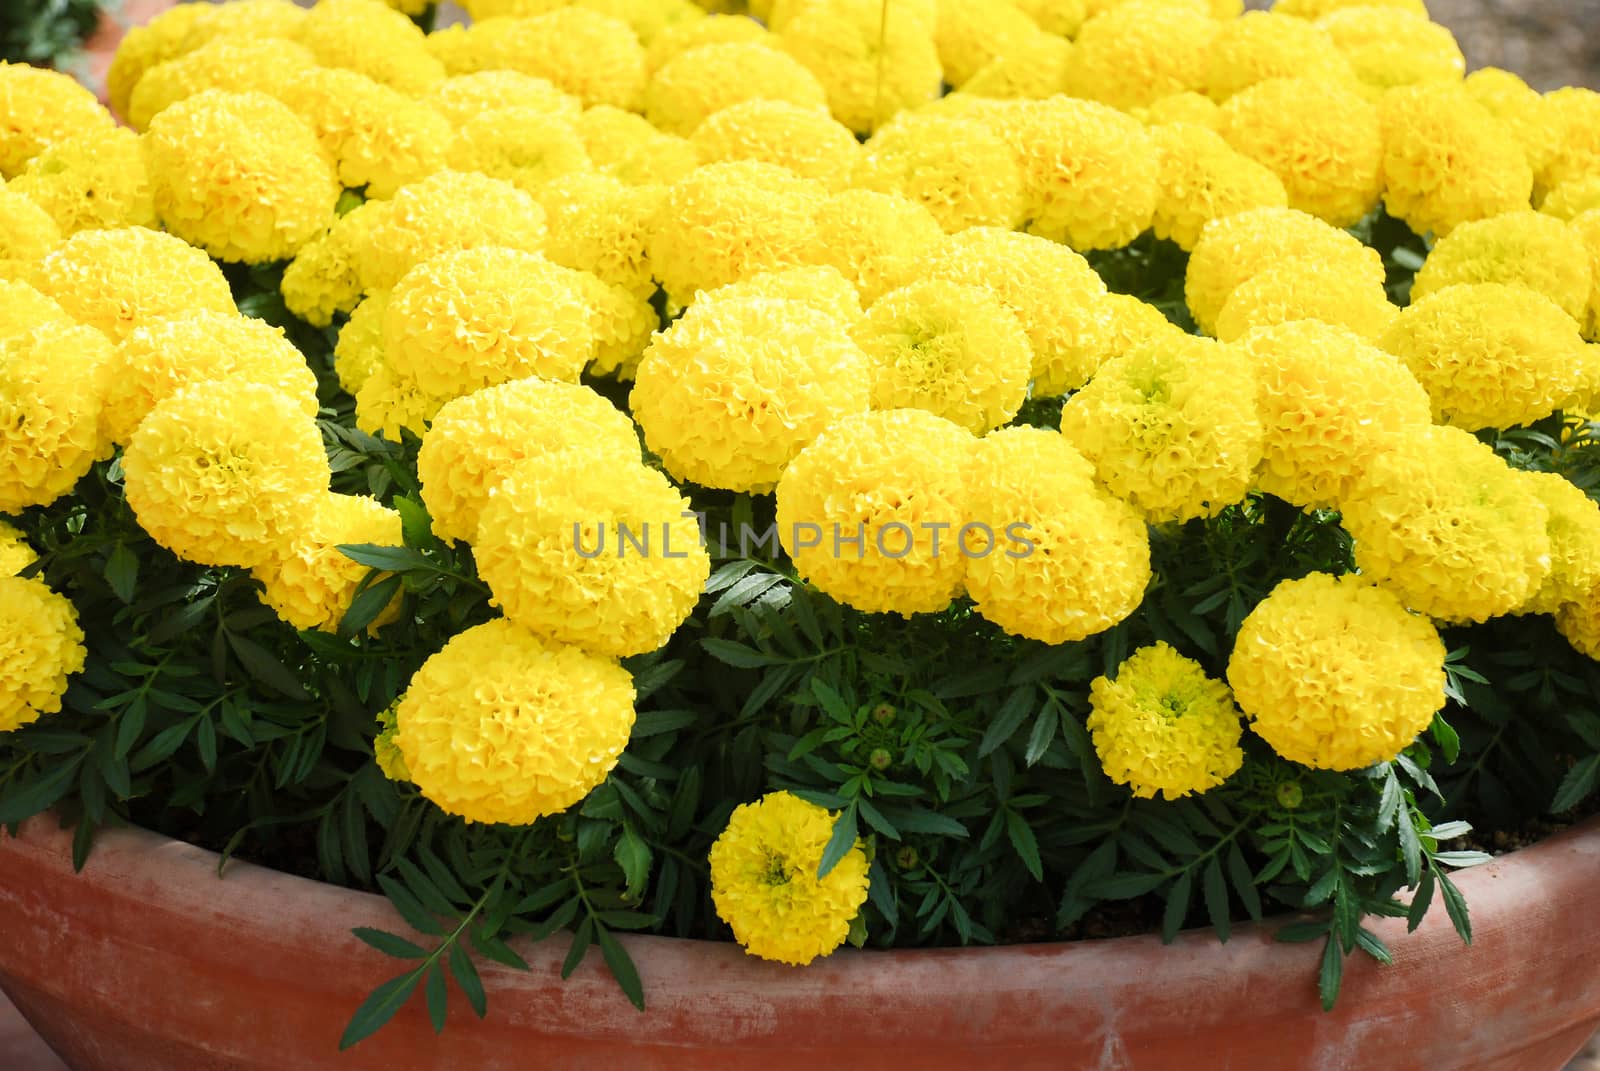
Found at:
<point>553,475</point>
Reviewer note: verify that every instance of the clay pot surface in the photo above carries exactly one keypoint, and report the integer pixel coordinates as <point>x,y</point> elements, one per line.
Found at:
<point>148,962</point>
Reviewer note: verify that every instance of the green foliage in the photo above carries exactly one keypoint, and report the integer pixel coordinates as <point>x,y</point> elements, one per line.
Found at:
<point>958,754</point>
<point>45,32</point>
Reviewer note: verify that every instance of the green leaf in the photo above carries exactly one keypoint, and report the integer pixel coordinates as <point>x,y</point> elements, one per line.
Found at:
<point>1446,737</point>
<point>1244,885</point>
<point>1177,908</point>
<point>832,702</point>
<point>122,573</point>
<point>1577,785</point>
<point>493,948</point>
<point>438,997</point>
<point>1462,859</point>
<point>389,944</point>
<point>1043,734</point>
<point>1373,945</point>
<point>1420,902</point>
<point>1410,848</point>
<point>265,668</point>
<point>737,654</point>
<point>379,1008</point>
<point>387,559</point>
<point>1007,719</point>
<point>622,967</point>
<point>416,527</point>
<point>840,843</point>
<point>1124,886</point>
<point>579,947</point>
<point>410,909</point>
<point>39,795</point>
<point>633,855</point>
<point>1296,933</point>
<point>1331,976</point>
<point>1025,843</point>
<point>1455,906</point>
<point>368,604</point>
<point>1216,894</point>
<point>466,976</point>
<point>656,722</point>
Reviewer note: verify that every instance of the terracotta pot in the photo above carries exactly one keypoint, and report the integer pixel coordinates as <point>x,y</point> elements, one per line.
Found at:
<point>147,962</point>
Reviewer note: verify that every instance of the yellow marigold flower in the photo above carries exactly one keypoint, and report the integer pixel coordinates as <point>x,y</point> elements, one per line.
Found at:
<point>722,222</point>
<point>370,37</point>
<point>1164,726</point>
<point>1329,402</point>
<point>245,18</point>
<point>1059,17</point>
<point>385,752</point>
<point>41,646</point>
<point>1443,522</point>
<point>239,175</point>
<point>1304,289</point>
<point>1053,291</point>
<point>870,70</point>
<point>1137,53</point>
<point>225,472</point>
<point>93,181</point>
<point>22,308</point>
<point>1037,70</point>
<point>1066,559</point>
<point>600,225</point>
<point>27,233</point>
<point>648,18</point>
<point>1315,9</point>
<point>628,148</point>
<point>1390,46</point>
<point>620,321</point>
<point>1526,114</point>
<point>821,287</point>
<point>1579,622</point>
<point>1090,174</point>
<point>693,86</point>
<point>605,558</point>
<point>1263,45</point>
<point>478,317</point>
<point>481,10</point>
<point>804,140</point>
<point>1323,141</point>
<point>678,38</point>
<point>52,378</point>
<point>956,168</point>
<point>1523,248</point>
<point>323,278</point>
<point>764,880</point>
<point>1490,355</point>
<point>592,56</point>
<point>1221,9</point>
<point>526,147</point>
<point>970,36</point>
<point>117,280</point>
<point>1573,114</point>
<point>1171,427</point>
<point>871,238</point>
<point>1447,160</point>
<point>1131,324</point>
<point>1567,201</point>
<point>163,356</point>
<point>234,64</point>
<point>39,108</point>
<point>870,511</point>
<point>1233,249</point>
<point>477,438</point>
<point>1202,179</point>
<point>463,97</point>
<point>358,354</point>
<point>445,213</point>
<point>389,404</point>
<point>379,138</point>
<point>1335,674</point>
<point>733,390</point>
<point>142,47</point>
<point>309,582</point>
<point>1193,108</point>
<point>1574,530</point>
<point>502,727</point>
<point>1587,226</point>
<point>952,350</point>
<point>15,553</point>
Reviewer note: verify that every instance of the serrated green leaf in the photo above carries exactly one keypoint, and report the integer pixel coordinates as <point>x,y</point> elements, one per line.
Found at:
<point>465,973</point>
<point>1025,843</point>
<point>622,967</point>
<point>579,947</point>
<point>1455,906</point>
<point>416,916</point>
<point>389,944</point>
<point>1576,786</point>
<point>1331,976</point>
<point>1216,897</point>
<point>633,855</point>
<point>122,573</point>
<point>370,602</point>
<point>840,842</point>
<point>379,1008</point>
<point>1007,719</point>
<point>1244,885</point>
<point>1123,886</point>
<point>737,654</point>
<point>28,798</point>
<point>437,995</point>
<point>1177,909</point>
<point>264,667</point>
<point>1421,900</point>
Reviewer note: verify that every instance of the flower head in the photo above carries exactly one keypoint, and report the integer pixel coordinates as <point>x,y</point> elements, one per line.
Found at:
<point>309,582</point>
<point>373,38</point>
<point>1164,726</point>
<point>821,287</point>
<point>1067,560</point>
<point>323,279</point>
<point>884,495</point>
<point>1526,248</point>
<point>733,390</point>
<point>500,726</point>
<point>805,140</point>
<point>590,55</point>
<point>1490,355</point>
<point>477,439</point>
<point>1305,289</point>
<point>1329,403</point>
<point>871,238</point>
<point>227,472</point>
<point>870,71</point>
<point>1335,674</point>
<point>950,349</point>
<point>1391,46</point>
<point>1574,530</point>
<point>765,886</point>
<point>229,64</point>
<point>27,233</point>
<point>1138,52</point>
<point>1447,160</point>
<point>239,175</point>
<point>1573,115</point>
<point>1264,45</point>
<point>15,553</point>
<point>627,147</point>
<point>680,37</point>
<point>379,138</point>
<point>52,380</point>
<point>1525,114</point>
<point>956,168</point>
<point>1443,522</point>
<point>41,646</point>
<point>38,108</point>
<point>163,356</point>
<point>695,85</point>
<point>463,97</point>
<point>1170,426</point>
<point>971,36</point>
<point>600,225</point>
<point>526,147</point>
<point>91,181</point>
<point>1036,70</point>
<point>1203,178</point>
<point>22,308</point>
